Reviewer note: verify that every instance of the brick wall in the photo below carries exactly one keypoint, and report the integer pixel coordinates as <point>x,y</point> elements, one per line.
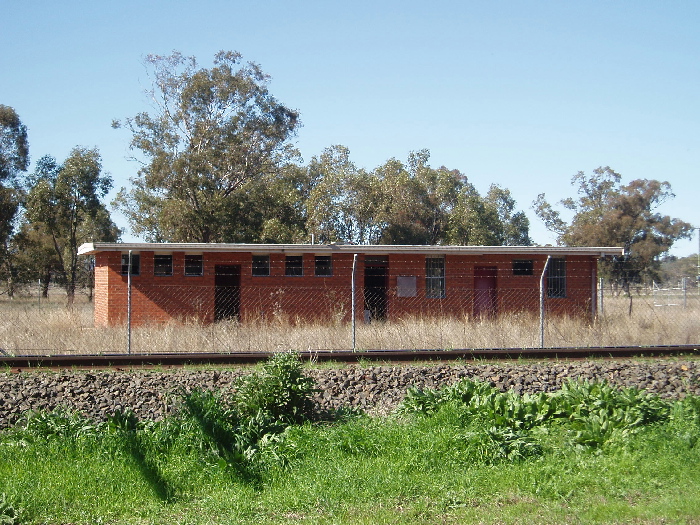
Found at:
<point>160,299</point>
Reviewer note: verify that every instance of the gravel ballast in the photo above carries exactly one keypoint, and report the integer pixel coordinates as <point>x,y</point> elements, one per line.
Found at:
<point>374,389</point>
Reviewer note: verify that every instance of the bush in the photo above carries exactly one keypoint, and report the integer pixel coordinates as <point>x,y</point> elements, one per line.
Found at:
<point>279,392</point>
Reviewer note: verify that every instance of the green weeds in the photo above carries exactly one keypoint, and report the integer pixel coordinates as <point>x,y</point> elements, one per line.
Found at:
<point>8,514</point>
<point>258,453</point>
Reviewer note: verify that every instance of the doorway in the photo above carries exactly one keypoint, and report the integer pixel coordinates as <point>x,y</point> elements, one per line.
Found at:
<point>227,291</point>
<point>375,288</point>
<point>485,295</point>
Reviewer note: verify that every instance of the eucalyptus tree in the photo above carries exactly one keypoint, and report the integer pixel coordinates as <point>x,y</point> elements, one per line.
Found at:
<point>406,203</point>
<point>343,200</point>
<point>64,209</point>
<point>511,228</point>
<point>14,160</point>
<point>14,146</point>
<point>608,213</point>
<point>212,131</point>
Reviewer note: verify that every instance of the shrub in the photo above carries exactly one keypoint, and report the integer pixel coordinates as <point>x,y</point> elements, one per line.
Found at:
<point>279,392</point>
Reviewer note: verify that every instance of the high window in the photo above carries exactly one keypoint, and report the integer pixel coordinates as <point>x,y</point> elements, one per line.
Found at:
<point>556,278</point>
<point>435,277</point>
<point>135,264</point>
<point>194,265</point>
<point>261,265</point>
<point>522,267</point>
<point>162,265</point>
<point>324,265</point>
<point>294,265</point>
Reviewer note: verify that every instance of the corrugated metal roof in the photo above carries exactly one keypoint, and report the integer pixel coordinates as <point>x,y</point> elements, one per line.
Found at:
<point>374,249</point>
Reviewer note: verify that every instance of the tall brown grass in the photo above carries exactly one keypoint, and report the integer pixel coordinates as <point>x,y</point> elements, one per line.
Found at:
<point>28,326</point>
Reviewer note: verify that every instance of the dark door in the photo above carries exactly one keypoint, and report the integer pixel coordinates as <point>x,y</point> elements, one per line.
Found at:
<point>376,287</point>
<point>485,298</point>
<point>227,291</point>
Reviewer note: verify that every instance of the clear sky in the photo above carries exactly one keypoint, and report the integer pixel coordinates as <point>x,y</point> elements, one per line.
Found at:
<point>519,93</point>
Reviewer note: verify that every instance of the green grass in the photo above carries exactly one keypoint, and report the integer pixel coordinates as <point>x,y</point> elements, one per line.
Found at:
<point>464,454</point>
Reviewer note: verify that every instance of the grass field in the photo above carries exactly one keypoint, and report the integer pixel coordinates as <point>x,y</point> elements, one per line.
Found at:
<point>464,454</point>
<point>28,326</point>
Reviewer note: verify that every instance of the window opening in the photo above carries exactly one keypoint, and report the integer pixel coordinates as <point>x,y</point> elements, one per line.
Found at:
<point>261,265</point>
<point>435,277</point>
<point>162,265</point>
<point>294,265</point>
<point>556,278</point>
<point>324,265</point>
<point>194,265</point>
<point>523,267</point>
<point>135,264</point>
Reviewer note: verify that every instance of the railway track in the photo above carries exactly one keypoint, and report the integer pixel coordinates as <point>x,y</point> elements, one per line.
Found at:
<point>106,361</point>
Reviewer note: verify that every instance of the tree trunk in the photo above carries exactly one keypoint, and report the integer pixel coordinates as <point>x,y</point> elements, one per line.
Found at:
<point>45,284</point>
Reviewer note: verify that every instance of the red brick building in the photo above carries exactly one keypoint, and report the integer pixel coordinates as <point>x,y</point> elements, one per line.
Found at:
<point>211,282</point>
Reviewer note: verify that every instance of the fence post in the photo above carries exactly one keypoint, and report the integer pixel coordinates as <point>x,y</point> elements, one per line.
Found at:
<point>601,295</point>
<point>544,272</point>
<point>685,293</point>
<point>128,306</point>
<point>352,286</point>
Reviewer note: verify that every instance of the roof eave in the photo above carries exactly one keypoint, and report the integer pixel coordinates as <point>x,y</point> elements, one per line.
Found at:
<point>599,251</point>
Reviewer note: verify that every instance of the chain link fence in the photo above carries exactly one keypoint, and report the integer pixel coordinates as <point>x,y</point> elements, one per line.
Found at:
<point>400,314</point>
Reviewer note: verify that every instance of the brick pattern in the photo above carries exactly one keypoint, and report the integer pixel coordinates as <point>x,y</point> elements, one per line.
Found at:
<point>160,299</point>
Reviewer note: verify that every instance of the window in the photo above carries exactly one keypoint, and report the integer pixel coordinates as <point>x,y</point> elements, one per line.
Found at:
<point>522,267</point>
<point>324,265</point>
<point>194,265</point>
<point>135,264</point>
<point>556,278</point>
<point>162,265</point>
<point>294,265</point>
<point>261,265</point>
<point>435,277</point>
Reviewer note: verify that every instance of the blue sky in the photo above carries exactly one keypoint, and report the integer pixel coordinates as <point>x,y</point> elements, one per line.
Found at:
<point>523,94</point>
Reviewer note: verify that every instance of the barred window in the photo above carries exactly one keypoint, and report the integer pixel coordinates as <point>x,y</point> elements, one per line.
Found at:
<point>435,277</point>
<point>261,265</point>
<point>324,265</point>
<point>194,265</point>
<point>162,265</point>
<point>135,264</point>
<point>294,265</point>
<point>556,278</point>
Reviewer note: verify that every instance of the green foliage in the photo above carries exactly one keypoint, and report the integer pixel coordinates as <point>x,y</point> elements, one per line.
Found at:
<point>14,159</point>
<point>216,132</point>
<point>506,444</point>
<point>406,203</point>
<point>607,213</point>
<point>600,413</point>
<point>8,514</point>
<point>64,210</point>
<point>255,416</point>
<point>597,414</point>
<point>462,458</point>
<point>14,147</point>
<point>58,424</point>
<point>279,392</point>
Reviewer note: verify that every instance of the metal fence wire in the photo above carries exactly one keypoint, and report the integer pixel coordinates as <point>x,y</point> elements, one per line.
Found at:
<point>497,306</point>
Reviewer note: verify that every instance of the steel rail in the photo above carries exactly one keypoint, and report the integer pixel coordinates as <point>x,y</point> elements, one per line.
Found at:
<point>120,361</point>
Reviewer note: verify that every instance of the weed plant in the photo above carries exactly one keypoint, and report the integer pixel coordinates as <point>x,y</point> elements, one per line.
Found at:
<point>467,453</point>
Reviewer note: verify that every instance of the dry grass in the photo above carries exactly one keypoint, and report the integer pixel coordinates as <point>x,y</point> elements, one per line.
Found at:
<point>28,326</point>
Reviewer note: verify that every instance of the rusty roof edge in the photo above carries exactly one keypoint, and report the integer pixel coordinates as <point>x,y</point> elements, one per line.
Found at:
<point>92,248</point>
